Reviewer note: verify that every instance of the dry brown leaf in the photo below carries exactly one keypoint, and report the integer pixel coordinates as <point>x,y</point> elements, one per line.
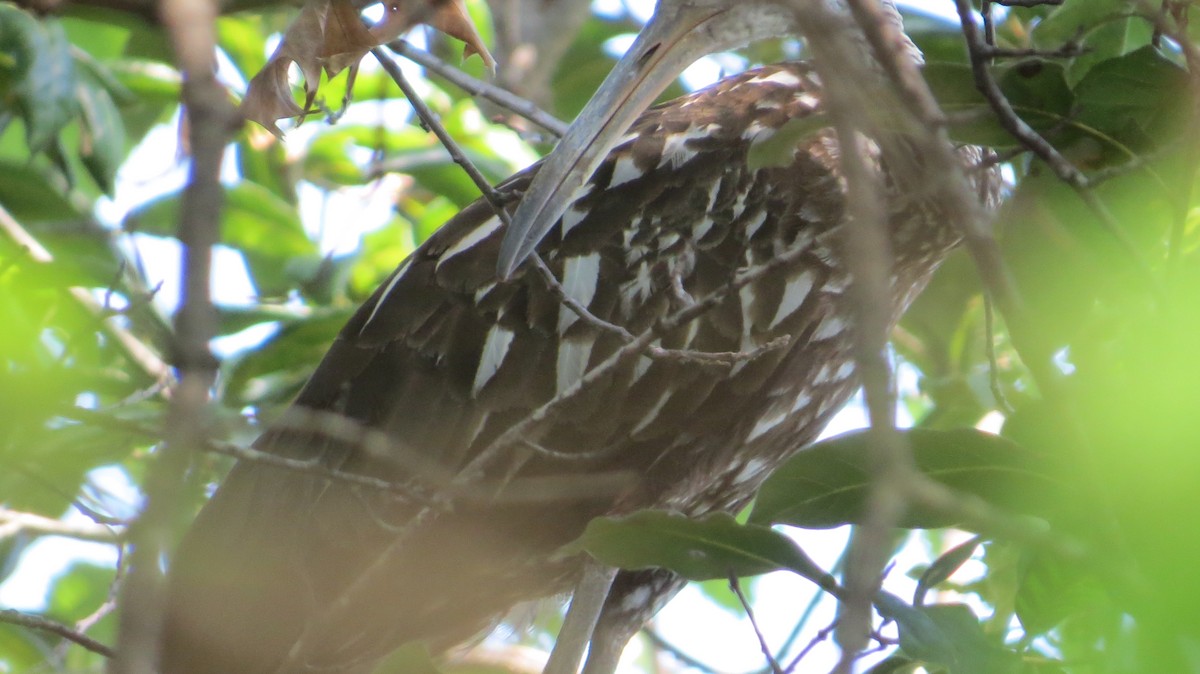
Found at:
<point>329,35</point>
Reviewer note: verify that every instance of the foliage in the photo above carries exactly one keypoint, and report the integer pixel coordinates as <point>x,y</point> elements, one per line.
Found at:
<point>1097,473</point>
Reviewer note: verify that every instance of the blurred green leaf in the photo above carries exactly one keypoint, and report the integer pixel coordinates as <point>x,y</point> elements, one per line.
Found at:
<point>37,74</point>
<point>944,567</point>
<point>1142,90</point>
<point>255,221</point>
<point>715,546</point>
<point>826,485</point>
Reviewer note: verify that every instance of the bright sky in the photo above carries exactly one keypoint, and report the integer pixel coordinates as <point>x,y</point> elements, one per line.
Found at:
<point>712,634</point>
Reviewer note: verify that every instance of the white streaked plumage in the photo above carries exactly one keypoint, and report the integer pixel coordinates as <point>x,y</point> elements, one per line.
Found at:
<point>483,231</point>
<point>572,362</point>
<point>495,348</point>
<point>794,293</point>
<point>580,274</point>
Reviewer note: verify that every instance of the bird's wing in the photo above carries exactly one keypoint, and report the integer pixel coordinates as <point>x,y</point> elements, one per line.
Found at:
<point>443,359</point>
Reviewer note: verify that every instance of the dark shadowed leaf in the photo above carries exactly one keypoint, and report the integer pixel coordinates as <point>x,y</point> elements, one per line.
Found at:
<point>1142,89</point>
<point>947,635</point>
<point>826,484</point>
<point>37,74</point>
<point>944,567</point>
<point>713,547</point>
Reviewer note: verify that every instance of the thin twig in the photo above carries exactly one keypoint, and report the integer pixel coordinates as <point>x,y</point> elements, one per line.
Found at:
<point>821,635</point>
<point>36,622</point>
<point>502,97</point>
<point>595,579</point>
<point>425,114</point>
<point>736,585</point>
<point>676,652</point>
<point>134,349</point>
<point>191,26</point>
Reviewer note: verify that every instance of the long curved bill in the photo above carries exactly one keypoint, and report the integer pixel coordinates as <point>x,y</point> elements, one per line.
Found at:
<point>665,47</point>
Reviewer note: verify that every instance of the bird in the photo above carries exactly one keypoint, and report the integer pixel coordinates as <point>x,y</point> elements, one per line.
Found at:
<point>489,388</point>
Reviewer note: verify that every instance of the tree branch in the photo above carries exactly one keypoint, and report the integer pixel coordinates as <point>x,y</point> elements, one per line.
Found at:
<point>502,97</point>
<point>13,522</point>
<point>14,617</point>
<point>191,26</point>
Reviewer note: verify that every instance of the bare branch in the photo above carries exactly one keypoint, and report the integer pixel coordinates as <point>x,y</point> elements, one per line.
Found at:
<point>736,585</point>
<point>13,522</point>
<point>497,200</point>
<point>211,120</point>
<point>36,622</point>
<point>586,603</point>
<point>502,97</point>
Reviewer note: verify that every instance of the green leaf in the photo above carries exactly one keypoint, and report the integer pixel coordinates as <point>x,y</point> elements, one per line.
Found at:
<point>826,485</point>
<point>944,567</point>
<point>41,77</point>
<point>1051,590</point>
<point>948,635</point>
<point>779,149</point>
<point>713,547</point>
<point>1141,89</point>
<point>1037,91</point>
<point>103,147</point>
<point>255,221</point>
<point>275,371</point>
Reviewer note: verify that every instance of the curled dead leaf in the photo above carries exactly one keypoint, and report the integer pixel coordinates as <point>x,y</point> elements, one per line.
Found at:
<point>330,35</point>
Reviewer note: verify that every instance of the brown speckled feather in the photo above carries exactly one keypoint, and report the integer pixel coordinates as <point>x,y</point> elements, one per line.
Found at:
<point>444,359</point>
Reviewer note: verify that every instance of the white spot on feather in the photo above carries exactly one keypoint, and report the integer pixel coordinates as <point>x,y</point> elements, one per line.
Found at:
<point>845,370</point>
<point>781,77</point>
<point>391,285</point>
<point>766,423</point>
<point>794,294</point>
<point>624,171</point>
<point>746,297</point>
<point>638,289</point>
<point>580,274</point>
<point>495,348</point>
<point>831,326</point>
<point>571,218</point>
<point>803,400</point>
<point>756,131</point>
<point>471,238</point>
<point>823,375</point>
<point>667,240</point>
<point>483,291</point>
<point>713,190</point>
<point>652,414</point>
<point>808,100</point>
<point>750,471</point>
<point>754,225</point>
<point>675,152</point>
<point>640,366</point>
<point>573,357</point>
<point>635,600</point>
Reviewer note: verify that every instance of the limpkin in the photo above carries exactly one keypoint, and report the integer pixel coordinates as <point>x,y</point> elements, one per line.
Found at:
<point>426,386</point>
